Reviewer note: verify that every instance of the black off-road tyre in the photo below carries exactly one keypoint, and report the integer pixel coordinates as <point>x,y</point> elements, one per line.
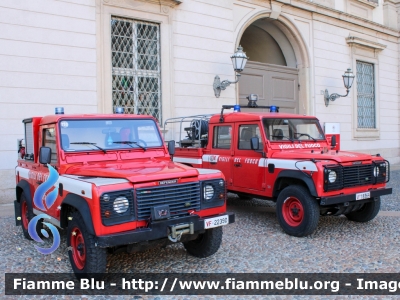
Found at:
<point>297,211</point>
<point>26,216</point>
<point>86,259</point>
<point>366,213</point>
<point>206,243</point>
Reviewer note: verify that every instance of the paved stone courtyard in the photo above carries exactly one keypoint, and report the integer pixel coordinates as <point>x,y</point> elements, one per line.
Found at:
<point>255,243</point>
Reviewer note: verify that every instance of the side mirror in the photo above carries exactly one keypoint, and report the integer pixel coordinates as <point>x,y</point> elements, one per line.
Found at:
<point>255,143</point>
<point>333,141</point>
<point>171,147</point>
<point>45,155</point>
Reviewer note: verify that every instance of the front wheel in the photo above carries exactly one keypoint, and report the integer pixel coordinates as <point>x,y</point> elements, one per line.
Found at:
<point>366,213</point>
<point>206,243</point>
<point>297,211</point>
<point>26,217</point>
<point>86,259</point>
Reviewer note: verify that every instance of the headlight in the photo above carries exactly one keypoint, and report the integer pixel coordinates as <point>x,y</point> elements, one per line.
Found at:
<point>332,176</point>
<point>208,192</point>
<point>121,205</point>
<point>376,171</point>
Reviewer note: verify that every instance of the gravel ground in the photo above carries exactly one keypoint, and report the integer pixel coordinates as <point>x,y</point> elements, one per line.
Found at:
<point>254,244</point>
<point>392,202</point>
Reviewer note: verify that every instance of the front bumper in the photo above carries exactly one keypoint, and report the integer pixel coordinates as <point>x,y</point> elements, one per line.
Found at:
<point>155,231</point>
<point>351,198</point>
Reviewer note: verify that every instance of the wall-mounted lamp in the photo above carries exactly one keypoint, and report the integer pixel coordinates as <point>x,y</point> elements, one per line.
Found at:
<point>239,60</point>
<point>348,78</point>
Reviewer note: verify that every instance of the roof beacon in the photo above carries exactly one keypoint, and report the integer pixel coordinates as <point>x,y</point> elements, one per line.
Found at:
<point>273,109</point>
<point>59,110</point>
<point>252,100</point>
<point>236,108</point>
<point>119,110</point>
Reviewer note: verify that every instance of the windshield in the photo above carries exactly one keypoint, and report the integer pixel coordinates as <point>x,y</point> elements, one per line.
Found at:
<point>293,130</point>
<point>95,135</point>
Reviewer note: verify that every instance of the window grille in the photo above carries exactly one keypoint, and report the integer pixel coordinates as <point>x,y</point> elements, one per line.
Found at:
<point>365,95</point>
<point>136,67</point>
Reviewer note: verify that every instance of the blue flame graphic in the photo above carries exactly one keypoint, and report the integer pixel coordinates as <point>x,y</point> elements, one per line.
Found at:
<point>51,197</point>
<point>44,187</point>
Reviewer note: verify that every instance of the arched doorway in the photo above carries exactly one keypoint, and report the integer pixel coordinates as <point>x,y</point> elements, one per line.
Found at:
<point>272,70</point>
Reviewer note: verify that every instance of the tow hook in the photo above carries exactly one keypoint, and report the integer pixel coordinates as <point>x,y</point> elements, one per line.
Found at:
<point>176,231</point>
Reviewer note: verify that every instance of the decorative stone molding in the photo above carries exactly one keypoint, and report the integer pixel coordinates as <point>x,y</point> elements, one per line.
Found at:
<point>170,3</point>
<point>353,40</point>
<point>371,3</point>
<point>276,9</point>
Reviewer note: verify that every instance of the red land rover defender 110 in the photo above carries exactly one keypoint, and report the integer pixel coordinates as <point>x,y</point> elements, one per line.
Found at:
<point>115,186</point>
<point>285,158</point>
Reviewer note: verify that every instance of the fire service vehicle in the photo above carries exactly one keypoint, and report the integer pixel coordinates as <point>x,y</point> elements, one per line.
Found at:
<point>285,158</point>
<point>115,187</point>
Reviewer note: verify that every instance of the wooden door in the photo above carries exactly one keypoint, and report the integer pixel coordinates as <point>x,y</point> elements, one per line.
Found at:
<point>275,85</point>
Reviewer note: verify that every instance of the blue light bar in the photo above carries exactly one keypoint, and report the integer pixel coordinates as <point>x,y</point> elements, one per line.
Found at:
<point>119,110</point>
<point>273,109</point>
<point>59,110</point>
<point>236,108</point>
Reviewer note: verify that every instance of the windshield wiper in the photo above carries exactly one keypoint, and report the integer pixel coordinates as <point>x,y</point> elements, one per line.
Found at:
<point>305,134</point>
<point>87,143</point>
<point>282,136</point>
<point>130,144</point>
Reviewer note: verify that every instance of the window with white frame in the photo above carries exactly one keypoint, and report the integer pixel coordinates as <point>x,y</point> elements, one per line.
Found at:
<point>136,67</point>
<point>365,95</point>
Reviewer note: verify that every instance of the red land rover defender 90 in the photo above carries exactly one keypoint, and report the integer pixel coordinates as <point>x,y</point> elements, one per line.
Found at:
<point>115,186</point>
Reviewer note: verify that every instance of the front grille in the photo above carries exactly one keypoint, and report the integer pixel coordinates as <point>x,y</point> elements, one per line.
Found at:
<point>357,175</point>
<point>181,198</point>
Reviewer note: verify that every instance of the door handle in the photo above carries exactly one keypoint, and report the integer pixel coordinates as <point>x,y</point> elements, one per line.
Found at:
<point>237,165</point>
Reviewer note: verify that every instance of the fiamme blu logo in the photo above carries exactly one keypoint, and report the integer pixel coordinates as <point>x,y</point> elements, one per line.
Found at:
<point>44,202</point>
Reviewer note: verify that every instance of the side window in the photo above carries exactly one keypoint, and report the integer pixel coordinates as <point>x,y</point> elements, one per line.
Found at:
<point>49,140</point>
<point>222,137</point>
<point>246,132</point>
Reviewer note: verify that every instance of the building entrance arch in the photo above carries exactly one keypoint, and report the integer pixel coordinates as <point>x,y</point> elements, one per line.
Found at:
<point>277,69</point>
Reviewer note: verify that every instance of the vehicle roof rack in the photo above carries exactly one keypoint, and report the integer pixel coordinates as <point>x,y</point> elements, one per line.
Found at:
<point>272,108</point>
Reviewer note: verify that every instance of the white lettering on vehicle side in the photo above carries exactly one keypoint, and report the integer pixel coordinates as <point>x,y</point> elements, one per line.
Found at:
<point>210,158</point>
<point>252,161</point>
<point>299,146</point>
<point>223,159</point>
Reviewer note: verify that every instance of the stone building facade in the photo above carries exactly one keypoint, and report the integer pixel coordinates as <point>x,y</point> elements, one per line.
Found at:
<point>160,57</point>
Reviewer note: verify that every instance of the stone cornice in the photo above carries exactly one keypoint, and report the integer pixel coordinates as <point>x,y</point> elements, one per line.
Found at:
<point>340,15</point>
<point>170,3</point>
<point>355,40</point>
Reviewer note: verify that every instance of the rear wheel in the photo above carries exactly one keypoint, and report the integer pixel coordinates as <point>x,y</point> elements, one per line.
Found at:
<point>86,259</point>
<point>297,211</point>
<point>206,243</point>
<point>367,212</point>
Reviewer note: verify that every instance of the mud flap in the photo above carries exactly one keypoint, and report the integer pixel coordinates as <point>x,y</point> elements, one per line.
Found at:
<point>17,213</point>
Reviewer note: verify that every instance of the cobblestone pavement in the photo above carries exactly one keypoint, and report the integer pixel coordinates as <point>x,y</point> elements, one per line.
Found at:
<point>255,243</point>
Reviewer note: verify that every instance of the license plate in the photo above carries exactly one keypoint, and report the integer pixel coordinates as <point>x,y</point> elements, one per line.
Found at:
<point>361,196</point>
<point>216,222</point>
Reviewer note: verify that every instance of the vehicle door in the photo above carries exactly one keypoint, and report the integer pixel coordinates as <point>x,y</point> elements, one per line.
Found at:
<point>247,172</point>
<point>221,152</point>
<point>48,139</point>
